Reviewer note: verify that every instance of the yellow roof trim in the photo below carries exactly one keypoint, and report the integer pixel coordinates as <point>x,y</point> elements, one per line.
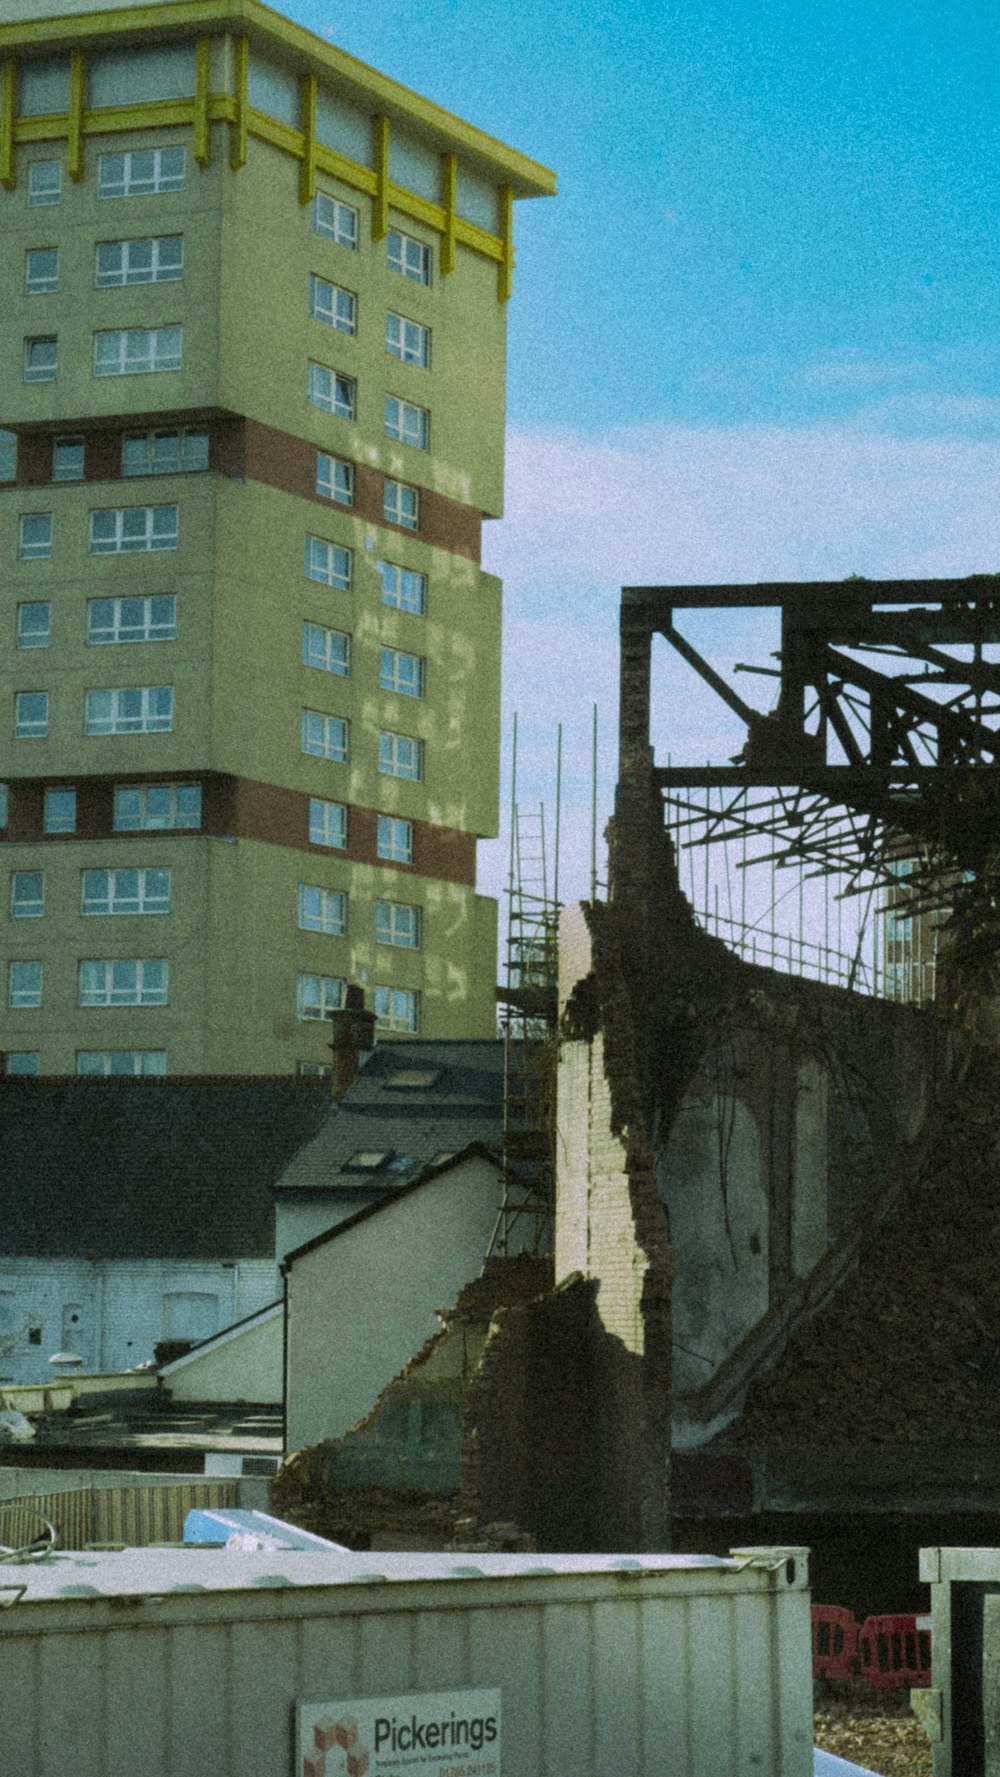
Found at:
<point>528,178</point>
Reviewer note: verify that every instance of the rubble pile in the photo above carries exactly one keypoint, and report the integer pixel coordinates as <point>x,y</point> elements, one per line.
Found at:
<point>909,1348</point>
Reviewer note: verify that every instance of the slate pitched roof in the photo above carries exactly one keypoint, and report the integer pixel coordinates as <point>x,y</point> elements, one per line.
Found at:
<point>130,1169</point>
<point>414,1101</point>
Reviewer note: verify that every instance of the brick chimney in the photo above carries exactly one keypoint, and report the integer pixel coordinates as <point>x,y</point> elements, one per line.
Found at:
<point>353,1031</point>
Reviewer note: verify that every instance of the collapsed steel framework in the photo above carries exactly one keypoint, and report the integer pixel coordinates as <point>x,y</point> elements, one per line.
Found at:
<point>883,735</point>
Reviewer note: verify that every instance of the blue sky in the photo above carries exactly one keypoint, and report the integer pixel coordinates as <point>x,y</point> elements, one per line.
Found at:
<point>754,337</point>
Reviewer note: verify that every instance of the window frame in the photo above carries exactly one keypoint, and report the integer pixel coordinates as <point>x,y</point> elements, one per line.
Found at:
<point>76,468</point>
<point>29,996</point>
<point>27,906</point>
<point>65,821</point>
<point>155,186</point>
<point>342,397</point>
<point>37,551</point>
<point>109,996</point>
<point>390,1018</point>
<point>320,548</point>
<point>190,441</point>
<point>178,820</point>
<point>149,720</point>
<point>388,848</point>
<point>399,924</point>
<point>157,360</point>
<point>407,423</point>
<point>324,736</point>
<point>340,312</point>
<point>419,270</point>
<point>330,917</point>
<point>416,602</point>
<point>149,630</point>
<point>115,902</point>
<point>351,237</point>
<point>393,754</point>
<point>303,1006</point>
<point>401,672</point>
<point>400,504</point>
<point>31,728</point>
<point>39,638</point>
<point>146,543</point>
<point>40,194</point>
<point>46,370</point>
<point>324,658</point>
<point>321,824</point>
<point>409,341</point>
<point>160,271</point>
<point>40,286</point>
<point>335,478</point>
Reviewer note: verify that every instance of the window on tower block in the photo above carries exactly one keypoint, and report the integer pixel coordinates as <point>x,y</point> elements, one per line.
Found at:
<point>394,843</point>
<point>132,530</point>
<point>399,755</point>
<point>409,256</point>
<point>33,624</point>
<point>325,737</point>
<point>127,1063</point>
<point>398,924</point>
<point>328,563</point>
<point>327,649</point>
<point>151,619</point>
<point>332,392</point>
<point>67,459</point>
<point>34,536</point>
<point>132,709</point>
<point>44,183</point>
<point>156,260</point>
<point>400,505</point>
<point>402,588</point>
<point>318,995</point>
<point>40,359</point>
<point>120,983</point>
<point>337,221</point>
<point>27,894</point>
<point>124,891</point>
<point>397,1008</point>
<point>401,672</point>
<point>137,351</point>
<point>408,424</point>
<point>59,811</point>
<point>322,910</point>
<point>31,715</point>
<point>155,808</point>
<point>24,985</point>
<point>329,303</point>
<point>41,271</point>
<point>164,453</point>
<point>408,341</point>
<point>327,823</point>
<point>335,479</point>
<point>140,172</point>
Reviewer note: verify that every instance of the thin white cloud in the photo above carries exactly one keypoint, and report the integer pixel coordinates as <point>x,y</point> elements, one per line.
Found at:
<point>659,505</point>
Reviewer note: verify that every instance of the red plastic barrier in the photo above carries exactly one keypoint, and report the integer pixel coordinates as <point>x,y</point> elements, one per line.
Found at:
<point>834,1641</point>
<point>894,1653</point>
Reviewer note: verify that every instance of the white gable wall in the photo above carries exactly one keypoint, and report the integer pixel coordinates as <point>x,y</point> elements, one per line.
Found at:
<point>362,1303</point>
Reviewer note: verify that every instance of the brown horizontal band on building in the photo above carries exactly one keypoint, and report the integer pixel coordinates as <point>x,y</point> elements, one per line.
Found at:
<point>247,449</point>
<point>238,808</point>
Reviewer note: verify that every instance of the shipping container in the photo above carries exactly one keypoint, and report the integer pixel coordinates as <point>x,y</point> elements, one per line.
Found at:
<point>961,1709</point>
<point>181,1662</point>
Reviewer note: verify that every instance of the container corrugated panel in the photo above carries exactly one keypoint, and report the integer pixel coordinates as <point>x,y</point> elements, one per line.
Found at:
<point>179,1663</point>
<point>133,1515</point>
<point>961,1709</point>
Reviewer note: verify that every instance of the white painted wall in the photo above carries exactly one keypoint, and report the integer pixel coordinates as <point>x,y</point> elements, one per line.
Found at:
<point>123,1307</point>
<point>362,1304</point>
<point>242,1365</point>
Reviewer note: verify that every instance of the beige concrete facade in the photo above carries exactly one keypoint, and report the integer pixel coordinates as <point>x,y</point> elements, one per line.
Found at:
<point>249,287</point>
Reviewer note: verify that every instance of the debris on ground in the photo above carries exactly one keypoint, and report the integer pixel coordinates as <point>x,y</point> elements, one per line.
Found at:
<point>876,1730</point>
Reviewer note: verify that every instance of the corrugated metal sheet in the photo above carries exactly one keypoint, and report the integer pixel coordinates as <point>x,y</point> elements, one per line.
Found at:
<point>136,1516</point>
<point>687,1666</point>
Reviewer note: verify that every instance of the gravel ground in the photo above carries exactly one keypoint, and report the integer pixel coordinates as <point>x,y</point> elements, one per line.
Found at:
<point>872,1728</point>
